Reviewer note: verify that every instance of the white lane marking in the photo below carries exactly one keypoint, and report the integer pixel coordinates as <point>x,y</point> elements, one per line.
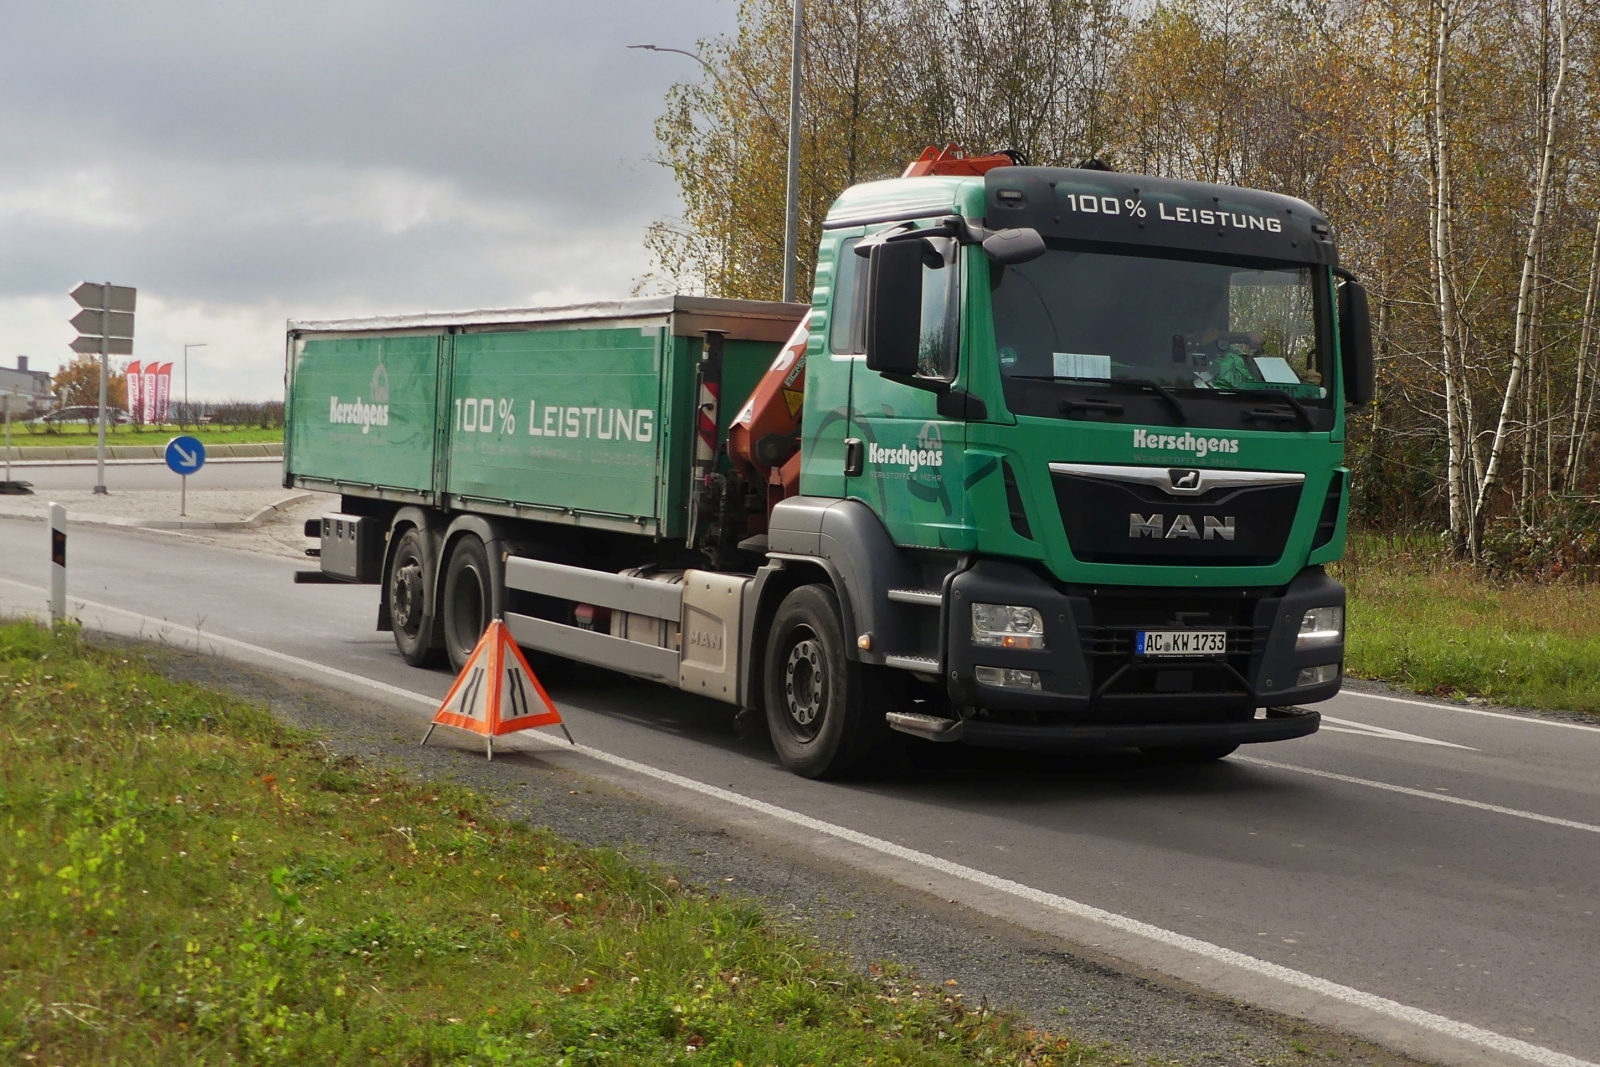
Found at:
<point>1349,726</point>
<point>1443,798</point>
<point>1463,709</point>
<point>1299,979</point>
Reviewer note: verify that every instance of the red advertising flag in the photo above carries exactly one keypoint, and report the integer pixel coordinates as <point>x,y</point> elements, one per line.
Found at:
<point>163,391</point>
<point>134,381</point>
<point>147,394</point>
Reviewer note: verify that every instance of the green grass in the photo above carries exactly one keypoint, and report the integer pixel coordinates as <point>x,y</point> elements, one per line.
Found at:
<point>65,436</point>
<point>184,880</point>
<point>1417,619</point>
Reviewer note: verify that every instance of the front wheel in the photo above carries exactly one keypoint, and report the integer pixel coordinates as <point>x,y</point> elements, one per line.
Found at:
<point>814,693</point>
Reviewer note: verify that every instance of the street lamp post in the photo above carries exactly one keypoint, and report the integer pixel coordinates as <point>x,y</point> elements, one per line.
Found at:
<point>733,155</point>
<point>186,411</point>
<point>791,207</point>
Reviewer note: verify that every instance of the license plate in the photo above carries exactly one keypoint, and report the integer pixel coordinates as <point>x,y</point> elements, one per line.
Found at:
<point>1181,643</point>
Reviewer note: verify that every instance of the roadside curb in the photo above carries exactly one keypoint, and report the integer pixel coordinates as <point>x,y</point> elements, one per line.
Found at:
<point>259,516</point>
<point>261,450</point>
<point>30,462</point>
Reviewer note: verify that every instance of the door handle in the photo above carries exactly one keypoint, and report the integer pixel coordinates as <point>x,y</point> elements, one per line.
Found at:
<point>855,457</point>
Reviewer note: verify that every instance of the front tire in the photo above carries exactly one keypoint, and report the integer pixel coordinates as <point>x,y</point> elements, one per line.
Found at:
<point>416,630</point>
<point>468,602</point>
<point>814,693</point>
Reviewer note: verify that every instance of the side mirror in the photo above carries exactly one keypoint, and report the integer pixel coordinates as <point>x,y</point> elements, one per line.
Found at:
<point>894,306</point>
<point>1355,344</point>
<point>1014,246</point>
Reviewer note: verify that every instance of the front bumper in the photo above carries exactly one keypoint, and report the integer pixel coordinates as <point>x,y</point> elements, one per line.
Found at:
<point>1092,683</point>
<point>1280,724</point>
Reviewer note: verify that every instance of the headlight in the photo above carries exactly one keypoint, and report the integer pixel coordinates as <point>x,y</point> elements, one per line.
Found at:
<point>1317,675</point>
<point>1007,626</point>
<point>1321,626</point>
<point>1006,678</point>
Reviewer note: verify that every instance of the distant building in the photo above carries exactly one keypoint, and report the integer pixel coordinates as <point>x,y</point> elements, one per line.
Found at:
<point>30,387</point>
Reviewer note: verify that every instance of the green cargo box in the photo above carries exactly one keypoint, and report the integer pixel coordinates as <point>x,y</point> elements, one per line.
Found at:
<point>580,415</point>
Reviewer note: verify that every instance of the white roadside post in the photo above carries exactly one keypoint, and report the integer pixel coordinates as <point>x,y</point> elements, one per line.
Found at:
<point>58,563</point>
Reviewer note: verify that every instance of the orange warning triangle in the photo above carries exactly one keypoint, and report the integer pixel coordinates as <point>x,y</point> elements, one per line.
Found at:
<point>793,399</point>
<point>497,693</point>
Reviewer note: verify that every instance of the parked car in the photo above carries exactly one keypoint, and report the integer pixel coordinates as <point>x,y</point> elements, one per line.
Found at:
<point>88,414</point>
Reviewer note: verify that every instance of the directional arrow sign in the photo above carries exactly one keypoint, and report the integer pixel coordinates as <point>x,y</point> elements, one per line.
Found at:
<point>110,297</point>
<point>114,346</point>
<point>185,454</point>
<point>117,324</point>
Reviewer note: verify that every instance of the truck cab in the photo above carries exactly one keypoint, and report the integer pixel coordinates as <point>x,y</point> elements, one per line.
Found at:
<point>1106,477</point>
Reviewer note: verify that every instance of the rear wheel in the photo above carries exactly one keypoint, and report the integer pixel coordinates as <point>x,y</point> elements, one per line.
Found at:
<point>410,576</point>
<point>814,694</point>
<point>468,602</point>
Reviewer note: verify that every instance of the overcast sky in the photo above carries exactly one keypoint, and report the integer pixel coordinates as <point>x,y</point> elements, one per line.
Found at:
<point>245,163</point>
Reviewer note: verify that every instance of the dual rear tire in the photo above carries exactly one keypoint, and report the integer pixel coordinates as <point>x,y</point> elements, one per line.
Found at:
<point>468,602</point>
<point>448,629</point>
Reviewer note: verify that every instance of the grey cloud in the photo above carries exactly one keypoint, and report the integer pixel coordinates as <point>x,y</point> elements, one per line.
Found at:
<point>334,158</point>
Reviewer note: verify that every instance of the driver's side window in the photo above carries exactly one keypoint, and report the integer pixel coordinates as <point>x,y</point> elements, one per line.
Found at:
<point>936,346</point>
<point>847,325</point>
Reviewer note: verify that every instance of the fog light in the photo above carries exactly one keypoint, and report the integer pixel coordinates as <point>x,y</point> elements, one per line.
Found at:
<point>1319,627</point>
<point>1007,626</point>
<point>1317,675</point>
<point>1006,678</point>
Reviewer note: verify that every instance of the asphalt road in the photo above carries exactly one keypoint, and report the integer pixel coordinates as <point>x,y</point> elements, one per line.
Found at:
<point>1412,854</point>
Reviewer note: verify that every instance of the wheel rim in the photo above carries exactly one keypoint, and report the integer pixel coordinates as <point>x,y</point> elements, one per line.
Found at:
<point>466,608</point>
<point>405,599</point>
<point>805,682</point>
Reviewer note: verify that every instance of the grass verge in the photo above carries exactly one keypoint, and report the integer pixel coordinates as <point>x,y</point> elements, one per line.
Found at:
<point>1420,620</point>
<point>74,435</point>
<point>184,880</point>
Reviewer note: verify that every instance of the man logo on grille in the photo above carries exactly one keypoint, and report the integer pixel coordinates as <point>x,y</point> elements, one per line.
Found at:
<point>1184,478</point>
<point>1183,526</point>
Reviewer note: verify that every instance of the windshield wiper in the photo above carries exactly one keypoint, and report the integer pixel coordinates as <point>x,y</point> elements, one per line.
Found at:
<point>1301,414</point>
<point>1160,390</point>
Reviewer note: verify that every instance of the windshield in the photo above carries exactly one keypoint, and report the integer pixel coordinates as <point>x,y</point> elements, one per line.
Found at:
<point>1182,324</point>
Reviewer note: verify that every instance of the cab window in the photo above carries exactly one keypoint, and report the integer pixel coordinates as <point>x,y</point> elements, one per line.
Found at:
<point>847,328</point>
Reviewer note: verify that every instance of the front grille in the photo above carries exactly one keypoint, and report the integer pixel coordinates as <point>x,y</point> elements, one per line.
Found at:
<point>1109,622</point>
<point>1112,521</point>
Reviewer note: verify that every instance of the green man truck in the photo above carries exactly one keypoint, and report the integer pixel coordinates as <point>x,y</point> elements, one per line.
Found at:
<point>1053,458</point>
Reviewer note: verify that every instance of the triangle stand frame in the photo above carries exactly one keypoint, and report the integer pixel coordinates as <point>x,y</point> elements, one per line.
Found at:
<point>496,693</point>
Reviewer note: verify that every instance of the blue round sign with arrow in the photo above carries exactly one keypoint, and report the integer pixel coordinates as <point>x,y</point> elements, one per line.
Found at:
<point>185,454</point>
